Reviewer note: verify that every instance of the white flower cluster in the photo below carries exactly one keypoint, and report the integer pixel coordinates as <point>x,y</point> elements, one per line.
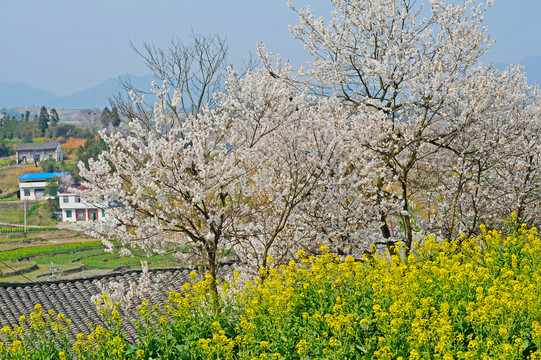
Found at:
<point>132,293</point>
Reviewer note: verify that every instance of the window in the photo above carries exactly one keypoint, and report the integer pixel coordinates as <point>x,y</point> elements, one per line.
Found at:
<point>103,213</point>
<point>77,199</point>
<point>68,213</point>
<point>65,200</point>
<point>26,192</point>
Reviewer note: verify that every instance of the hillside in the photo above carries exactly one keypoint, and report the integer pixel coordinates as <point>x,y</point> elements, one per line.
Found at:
<point>16,96</point>
<point>20,94</point>
<point>9,176</point>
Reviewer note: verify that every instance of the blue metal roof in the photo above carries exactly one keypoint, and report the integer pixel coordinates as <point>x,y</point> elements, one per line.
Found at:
<point>41,176</point>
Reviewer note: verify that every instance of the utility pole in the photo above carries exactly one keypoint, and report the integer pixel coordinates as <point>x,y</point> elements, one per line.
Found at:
<point>53,270</point>
<point>25,218</point>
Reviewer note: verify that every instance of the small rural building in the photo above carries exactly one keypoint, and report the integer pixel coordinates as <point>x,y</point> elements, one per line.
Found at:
<point>30,152</point>
<point>75,209</point>
<point>32,186</point>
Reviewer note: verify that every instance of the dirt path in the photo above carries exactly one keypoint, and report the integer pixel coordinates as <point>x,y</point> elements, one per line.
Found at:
<point>19,225</point>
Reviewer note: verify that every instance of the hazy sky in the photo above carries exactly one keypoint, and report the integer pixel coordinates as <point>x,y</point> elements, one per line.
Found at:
<point>65,46</point>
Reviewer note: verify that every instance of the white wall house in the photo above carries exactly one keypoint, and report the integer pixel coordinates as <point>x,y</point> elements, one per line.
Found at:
<point>32,186</point>
<point>30,152</point>
<point>75,209</point>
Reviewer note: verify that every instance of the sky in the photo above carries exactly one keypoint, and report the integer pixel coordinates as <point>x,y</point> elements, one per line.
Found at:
<point>64,46</point>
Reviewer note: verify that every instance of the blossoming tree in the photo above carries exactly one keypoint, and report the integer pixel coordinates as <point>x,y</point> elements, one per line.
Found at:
<point>395,120</point>
<point>233,175</point>
<point>417,64</point>
<point>490,169</point>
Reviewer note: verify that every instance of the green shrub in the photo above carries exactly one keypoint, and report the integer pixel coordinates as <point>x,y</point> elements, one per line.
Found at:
<point>7,162</point>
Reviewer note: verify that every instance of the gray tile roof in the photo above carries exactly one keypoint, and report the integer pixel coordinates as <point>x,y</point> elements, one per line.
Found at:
<point>73,298</point>
<point>37,146</point>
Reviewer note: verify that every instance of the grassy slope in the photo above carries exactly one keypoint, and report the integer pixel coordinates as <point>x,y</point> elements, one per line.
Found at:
<point>10,174</point>
<point>11,216</point>
<point>31,252</point>
<point>38,215</point>
<point>67,250</point>
<point>69,146</point>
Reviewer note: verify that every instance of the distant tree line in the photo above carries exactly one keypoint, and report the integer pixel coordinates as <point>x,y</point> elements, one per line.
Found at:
<point>110,117</point>
<point>26,129</point>
<point>46,124</point>
<point>13,128</point>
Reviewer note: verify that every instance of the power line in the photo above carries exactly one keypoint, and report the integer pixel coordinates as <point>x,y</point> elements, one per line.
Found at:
<point>18,273</point>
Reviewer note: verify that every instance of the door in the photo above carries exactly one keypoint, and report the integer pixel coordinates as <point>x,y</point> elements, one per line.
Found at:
<point>39,193</point>
<point>80,215</point>
<point>93,214</point>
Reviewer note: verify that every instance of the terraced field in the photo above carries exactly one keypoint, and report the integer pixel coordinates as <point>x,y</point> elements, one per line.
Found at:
<point>69,252</point>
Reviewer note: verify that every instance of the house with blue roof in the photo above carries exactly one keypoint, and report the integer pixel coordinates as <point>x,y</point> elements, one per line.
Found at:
<point>32,186</point>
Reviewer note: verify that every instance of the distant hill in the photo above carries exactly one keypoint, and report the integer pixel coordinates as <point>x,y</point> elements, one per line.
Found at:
<point>16,95</point>
<point>22,95</point>
<point>97,96</point>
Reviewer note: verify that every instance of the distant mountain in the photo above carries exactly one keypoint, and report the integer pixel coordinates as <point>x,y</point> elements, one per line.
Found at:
<point>98,95</point>
<point>21,95</point>
<point>16,95</point>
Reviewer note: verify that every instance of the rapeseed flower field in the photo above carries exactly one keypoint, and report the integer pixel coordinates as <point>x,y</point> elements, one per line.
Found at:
<point>469,298</point>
